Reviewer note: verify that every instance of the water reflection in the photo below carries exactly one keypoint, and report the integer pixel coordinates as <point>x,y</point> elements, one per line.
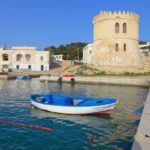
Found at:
<point>77,119</point>
<point>94,132</point>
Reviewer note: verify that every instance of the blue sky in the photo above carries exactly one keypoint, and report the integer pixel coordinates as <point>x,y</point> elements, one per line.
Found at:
<point>42,23</point>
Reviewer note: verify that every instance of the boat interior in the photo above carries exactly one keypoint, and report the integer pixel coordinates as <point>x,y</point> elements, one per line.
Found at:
<point>69,101</point>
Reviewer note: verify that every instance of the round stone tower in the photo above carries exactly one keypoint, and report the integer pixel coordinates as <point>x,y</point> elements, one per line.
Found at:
<point>116,39</point>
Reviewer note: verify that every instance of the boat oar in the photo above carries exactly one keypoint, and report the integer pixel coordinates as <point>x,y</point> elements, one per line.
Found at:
<point>26,125</point>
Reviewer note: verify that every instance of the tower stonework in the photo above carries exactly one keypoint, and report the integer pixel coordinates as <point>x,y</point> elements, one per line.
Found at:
<point>116,39</point>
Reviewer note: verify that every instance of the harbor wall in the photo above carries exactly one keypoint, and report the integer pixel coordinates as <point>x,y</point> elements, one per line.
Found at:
<point>142,137</point>
<point>136,81</point>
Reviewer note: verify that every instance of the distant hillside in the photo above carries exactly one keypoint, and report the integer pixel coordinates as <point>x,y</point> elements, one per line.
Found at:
<point>72,51</point>
<point>142,42</point>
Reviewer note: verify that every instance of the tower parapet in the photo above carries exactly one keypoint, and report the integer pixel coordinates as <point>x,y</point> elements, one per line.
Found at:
<point>107,15</point>
<point>116,36</point>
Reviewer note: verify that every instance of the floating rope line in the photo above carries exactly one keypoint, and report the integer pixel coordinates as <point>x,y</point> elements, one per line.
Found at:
<point>26,126</point>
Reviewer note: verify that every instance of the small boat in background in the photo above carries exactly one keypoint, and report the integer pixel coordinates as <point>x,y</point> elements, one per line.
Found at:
<point>23,77</point>
<point>73,105</point>
<point>69,75</point>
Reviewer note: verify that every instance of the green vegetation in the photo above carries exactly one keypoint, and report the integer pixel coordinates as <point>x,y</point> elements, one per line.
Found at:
<point>72,51</point>
<point>101,73</point>
<point>5,66</point>
<point>136,74</point>
<point>84,70</point>
<point>142,42</point>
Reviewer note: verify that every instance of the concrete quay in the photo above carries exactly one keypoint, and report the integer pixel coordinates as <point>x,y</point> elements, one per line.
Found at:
<point>119,80</point>
<point>12,75</point>
<point>7,77</point>
<point>142,137</point>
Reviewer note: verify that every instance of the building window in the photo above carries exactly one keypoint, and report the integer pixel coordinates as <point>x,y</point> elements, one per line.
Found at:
<point>28,57</point>
<point>124,28</point>
<point>5,57</point>
<point>42,58</point>
<point>42,67</point>
<point>19,57</point>
<point>29,67</point>
<point>124,47</point>
<point>117,28</point>
<point>90,52</point>
<point>116,47</point>
<point>17,67</point>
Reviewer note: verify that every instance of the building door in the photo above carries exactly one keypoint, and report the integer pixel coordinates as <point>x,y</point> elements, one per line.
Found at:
<point>17,67</point>
<point>42,67</point>
<point>29,67</point>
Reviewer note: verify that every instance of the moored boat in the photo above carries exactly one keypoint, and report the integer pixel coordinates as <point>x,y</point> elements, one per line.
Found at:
<point>73,105</point>
<point>23,77</point>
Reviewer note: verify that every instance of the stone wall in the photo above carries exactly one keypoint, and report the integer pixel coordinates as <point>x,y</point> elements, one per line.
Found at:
<point>145,60</point>
<point>106,38</point>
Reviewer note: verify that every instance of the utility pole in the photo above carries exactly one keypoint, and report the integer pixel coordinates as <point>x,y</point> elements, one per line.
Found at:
<point>78,55</point>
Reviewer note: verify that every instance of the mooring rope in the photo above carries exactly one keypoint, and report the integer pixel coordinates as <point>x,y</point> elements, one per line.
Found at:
<point>26,125</point>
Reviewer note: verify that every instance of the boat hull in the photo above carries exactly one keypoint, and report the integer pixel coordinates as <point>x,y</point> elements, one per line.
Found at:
<point>75,110</point>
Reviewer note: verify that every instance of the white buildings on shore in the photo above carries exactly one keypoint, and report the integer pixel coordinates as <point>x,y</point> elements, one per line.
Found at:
<point>145,49</point>
<point>87,52</point>
<point>57,58</point>
<point>24,58</point>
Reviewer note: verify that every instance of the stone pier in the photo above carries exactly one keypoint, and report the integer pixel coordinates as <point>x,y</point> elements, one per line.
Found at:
<point>142,137</point>
<point>118,80</point>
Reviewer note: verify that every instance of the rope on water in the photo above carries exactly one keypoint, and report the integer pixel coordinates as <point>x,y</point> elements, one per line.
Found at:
<point>26,125</point>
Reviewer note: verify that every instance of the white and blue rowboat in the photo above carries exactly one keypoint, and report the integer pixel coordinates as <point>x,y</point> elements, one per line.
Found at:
<point>73,105</point>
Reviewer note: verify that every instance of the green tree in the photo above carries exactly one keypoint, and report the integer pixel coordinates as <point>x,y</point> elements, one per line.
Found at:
<point>72,51</point>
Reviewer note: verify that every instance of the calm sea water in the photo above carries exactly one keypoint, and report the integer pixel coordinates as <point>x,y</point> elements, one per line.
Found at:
<point>70,132</point>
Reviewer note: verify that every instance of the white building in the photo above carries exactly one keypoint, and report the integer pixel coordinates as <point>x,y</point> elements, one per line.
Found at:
<point>145,49</point>
<point>57,58</point>
<point>24,58</point>
<point>87,52</point>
